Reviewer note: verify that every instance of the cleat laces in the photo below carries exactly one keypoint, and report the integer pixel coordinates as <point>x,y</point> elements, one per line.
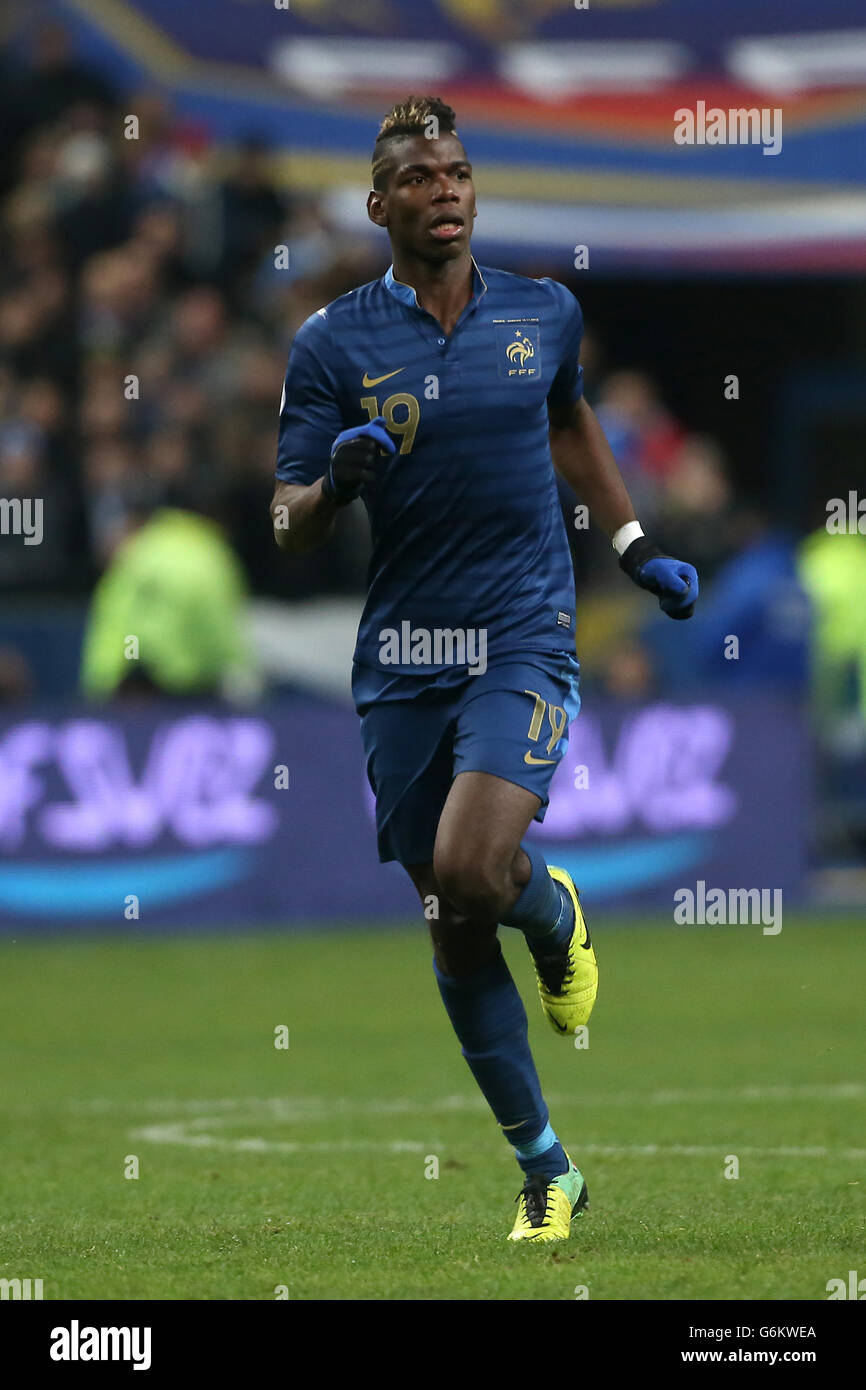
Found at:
<point>536,1196</point>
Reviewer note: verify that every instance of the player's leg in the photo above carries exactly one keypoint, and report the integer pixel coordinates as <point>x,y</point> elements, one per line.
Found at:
<point>409,747</point>
<point>410,765</point>
<point>485,867</point>
<point>488,1016</point>
<point>480,863</point>
<point>512,731</point>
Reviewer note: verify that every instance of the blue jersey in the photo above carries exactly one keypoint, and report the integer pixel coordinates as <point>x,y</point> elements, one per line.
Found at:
<point>470,554</point>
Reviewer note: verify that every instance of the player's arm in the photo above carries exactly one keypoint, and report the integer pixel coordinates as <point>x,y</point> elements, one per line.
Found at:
<point>303,515</point>
<point>582,455</point>
<point>321,466</point>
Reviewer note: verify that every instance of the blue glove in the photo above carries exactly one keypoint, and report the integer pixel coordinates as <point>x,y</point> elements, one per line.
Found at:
<point>355,458</point>
<point>673,581</point>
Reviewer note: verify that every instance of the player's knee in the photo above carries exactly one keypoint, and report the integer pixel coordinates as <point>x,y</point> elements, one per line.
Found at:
<point>477,886</point>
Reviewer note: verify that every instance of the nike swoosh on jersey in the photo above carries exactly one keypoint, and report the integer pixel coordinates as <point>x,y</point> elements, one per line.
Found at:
<point>532,760</point>
<point>374,380</point>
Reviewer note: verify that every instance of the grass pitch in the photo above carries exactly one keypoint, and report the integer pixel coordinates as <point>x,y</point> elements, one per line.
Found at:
<point>303,1168</point>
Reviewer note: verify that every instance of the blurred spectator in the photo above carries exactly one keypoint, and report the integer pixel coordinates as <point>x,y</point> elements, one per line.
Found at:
<point>167,615</point>
<point>16,677</point>
<point>114,489</point>
<point>832,570</point>
<point>118,300</point>
<point>643,434</point>
<point>751,628</point>
<point>252,214</point>
<point>627,672</point>
<point>695,511</point>
<point>56,81</point>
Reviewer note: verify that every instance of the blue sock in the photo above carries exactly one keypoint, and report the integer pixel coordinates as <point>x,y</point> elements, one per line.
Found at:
<point>544,911</point>
<point>544,1155</point>
<point>488,1016</point>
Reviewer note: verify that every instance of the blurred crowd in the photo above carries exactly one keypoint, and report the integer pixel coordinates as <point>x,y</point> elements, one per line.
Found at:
<point>145,320</point>
<point>144,324</point>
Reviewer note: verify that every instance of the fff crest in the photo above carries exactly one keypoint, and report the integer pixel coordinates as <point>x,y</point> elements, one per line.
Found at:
<point>518,351</point>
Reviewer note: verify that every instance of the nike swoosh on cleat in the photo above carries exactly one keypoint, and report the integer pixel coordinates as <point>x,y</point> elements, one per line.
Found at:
<point>375,380</point>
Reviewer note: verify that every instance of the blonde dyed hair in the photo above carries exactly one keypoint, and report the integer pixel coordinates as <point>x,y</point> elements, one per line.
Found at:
<point>409,117</point>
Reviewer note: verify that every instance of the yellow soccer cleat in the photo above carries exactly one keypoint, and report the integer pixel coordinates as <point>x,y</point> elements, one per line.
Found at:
<point>568,978</point>
<point>546,1205</point>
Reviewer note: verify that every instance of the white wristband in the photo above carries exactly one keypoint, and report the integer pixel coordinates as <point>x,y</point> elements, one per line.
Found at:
<point>623,538</point>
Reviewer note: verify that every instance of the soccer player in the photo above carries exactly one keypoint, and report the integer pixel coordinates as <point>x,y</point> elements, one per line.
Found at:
<point>443,394</point>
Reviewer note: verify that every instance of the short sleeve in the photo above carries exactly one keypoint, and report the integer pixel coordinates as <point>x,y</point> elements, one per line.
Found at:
<point>567,385</point>
<point>310,416</point>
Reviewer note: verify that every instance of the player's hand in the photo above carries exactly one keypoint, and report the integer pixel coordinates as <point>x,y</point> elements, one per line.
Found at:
<point>355,459</point>
<point>673,581</point>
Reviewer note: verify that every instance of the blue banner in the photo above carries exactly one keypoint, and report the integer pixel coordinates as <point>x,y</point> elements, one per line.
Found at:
<point>186,818</point>
<point>236,31</point>
<point>573,115</point>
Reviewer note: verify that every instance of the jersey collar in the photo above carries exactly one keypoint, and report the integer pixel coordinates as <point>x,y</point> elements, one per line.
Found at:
<point>406,294</point>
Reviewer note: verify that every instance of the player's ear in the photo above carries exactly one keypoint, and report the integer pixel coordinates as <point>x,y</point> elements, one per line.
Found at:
<point>376,208</point>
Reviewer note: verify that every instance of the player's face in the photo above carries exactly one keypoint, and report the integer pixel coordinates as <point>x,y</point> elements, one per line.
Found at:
<point>429,204</point>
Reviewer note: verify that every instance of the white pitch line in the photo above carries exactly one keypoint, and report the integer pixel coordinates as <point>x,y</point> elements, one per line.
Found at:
<point>308,1107</point>
<point>844,1090</point>
<point>180,1133</point>
<point>284,1107</point>
<point>713,1151</point>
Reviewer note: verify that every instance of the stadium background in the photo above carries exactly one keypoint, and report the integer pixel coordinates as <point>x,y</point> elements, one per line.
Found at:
<point>145,319</point>
<point>153,260</point>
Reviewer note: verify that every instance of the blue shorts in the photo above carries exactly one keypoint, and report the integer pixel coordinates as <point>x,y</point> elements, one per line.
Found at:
<point>512,721</point>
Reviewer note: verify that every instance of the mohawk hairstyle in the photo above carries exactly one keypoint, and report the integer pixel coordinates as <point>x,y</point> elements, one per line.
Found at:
<point>409,117</point>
